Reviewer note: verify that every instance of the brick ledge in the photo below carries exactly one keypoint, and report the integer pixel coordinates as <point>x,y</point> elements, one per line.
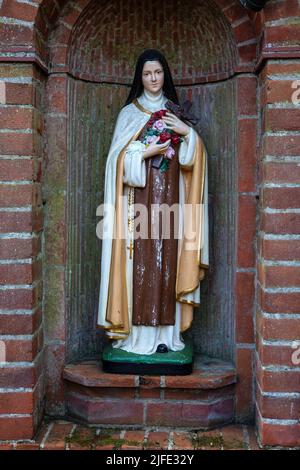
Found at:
<point>209,373</point>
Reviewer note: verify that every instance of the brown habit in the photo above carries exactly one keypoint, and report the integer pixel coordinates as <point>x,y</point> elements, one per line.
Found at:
<point>155,259</point>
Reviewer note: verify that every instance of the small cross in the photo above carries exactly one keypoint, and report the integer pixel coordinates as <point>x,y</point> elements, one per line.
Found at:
<point>130,248</point>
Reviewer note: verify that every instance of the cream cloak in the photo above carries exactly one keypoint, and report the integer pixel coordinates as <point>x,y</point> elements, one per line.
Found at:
<point>125,169</point>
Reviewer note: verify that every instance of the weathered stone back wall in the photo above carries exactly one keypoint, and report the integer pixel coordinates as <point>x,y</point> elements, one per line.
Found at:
<point>213,329</point>
<point>196,54</point>
<point>93,111</point>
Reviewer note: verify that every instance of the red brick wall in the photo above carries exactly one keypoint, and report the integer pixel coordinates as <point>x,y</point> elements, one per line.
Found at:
<point>21,223</point>
<point>278,262</point>
<point>278,256</point>
<point>273,268</point>
<point>247,124</point>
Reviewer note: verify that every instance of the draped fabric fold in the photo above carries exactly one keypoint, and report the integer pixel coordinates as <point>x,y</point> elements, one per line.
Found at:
<point>190,270</point>
<point>117,304</point>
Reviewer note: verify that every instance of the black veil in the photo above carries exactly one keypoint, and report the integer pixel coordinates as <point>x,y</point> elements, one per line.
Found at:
<point>137,84</point>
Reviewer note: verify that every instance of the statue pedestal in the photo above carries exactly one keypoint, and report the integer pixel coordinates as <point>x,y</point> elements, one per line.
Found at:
<point>203,400</point>
<point>118,361</point>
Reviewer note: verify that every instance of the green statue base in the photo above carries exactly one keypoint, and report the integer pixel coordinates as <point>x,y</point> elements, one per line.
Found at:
<point>118,361</point>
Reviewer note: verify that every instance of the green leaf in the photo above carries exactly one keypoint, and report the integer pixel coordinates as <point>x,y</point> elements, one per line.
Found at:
<point>165,165</point>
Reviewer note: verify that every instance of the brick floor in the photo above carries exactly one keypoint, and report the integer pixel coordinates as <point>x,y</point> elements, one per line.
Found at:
<point>158,440</point>
<point>65,435</point>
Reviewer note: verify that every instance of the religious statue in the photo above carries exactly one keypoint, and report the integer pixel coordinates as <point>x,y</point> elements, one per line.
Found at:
<point>150,284</point>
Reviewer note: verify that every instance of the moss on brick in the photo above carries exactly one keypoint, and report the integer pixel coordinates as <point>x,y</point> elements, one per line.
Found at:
<point>217,442</point>
<point>53,293</point>
<point>81,441</point>
<point>105,438</point>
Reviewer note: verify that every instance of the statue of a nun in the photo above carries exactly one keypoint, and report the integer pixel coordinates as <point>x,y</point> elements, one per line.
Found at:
<point>150,284</point>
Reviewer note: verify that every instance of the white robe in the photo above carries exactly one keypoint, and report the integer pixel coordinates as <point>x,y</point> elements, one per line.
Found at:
<point>142,339</point>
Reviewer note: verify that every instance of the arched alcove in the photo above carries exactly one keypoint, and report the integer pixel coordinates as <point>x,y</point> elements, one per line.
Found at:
<point>105,41</point>
<point>194,35</point>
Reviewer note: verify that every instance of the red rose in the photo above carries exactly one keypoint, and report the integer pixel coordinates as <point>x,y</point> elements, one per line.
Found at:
<point>175,139</point>
<point>164,136</point>
<point>159,114</point>
<point>151,121</point>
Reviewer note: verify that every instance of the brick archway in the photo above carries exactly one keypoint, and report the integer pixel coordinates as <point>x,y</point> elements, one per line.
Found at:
<point>238,19</point>
<point>35,23</point>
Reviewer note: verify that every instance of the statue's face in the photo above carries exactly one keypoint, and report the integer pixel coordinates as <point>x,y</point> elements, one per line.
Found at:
<point>153,76</point>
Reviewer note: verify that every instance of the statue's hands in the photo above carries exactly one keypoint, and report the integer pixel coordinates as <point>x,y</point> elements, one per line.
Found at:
<point>156,149</point>
<point>174,123</point>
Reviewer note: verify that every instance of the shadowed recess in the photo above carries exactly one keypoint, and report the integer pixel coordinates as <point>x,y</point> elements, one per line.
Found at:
<point>93,109</point>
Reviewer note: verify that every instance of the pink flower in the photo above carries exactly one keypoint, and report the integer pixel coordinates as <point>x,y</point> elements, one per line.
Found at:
<point>159,125</point>
<point>150,139</point>
<point>170,152</point>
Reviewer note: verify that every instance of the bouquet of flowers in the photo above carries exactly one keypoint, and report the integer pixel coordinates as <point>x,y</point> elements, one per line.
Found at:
<point>155,127</point>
